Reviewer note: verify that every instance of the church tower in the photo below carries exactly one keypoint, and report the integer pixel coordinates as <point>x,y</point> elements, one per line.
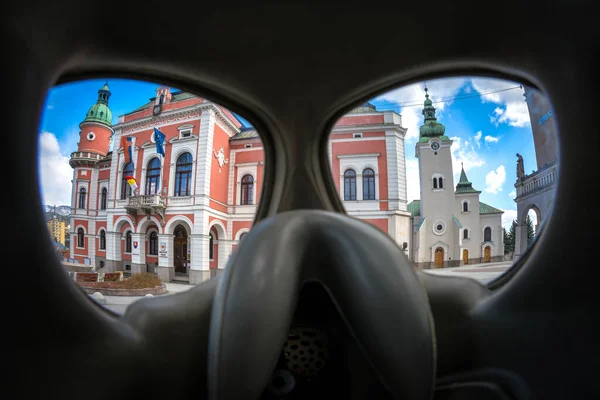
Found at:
<point>437,231</point>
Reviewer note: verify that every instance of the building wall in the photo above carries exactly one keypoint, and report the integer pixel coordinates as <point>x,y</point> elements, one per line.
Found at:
<point>495,222</point>
<point>469,220</point>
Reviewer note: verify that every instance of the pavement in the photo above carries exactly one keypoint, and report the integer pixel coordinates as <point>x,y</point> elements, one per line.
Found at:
<point>119,304</point>
<point>483,273</point>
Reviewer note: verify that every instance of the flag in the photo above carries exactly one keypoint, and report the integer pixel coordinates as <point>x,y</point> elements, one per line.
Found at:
<point>132,183</point>
<point>159,138</point>
<point>127,150</point>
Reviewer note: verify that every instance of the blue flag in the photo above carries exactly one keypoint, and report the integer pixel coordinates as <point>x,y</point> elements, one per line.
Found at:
<point>159,138</point>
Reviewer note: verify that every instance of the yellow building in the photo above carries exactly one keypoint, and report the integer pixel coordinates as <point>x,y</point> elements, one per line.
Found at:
<point>57,230</point>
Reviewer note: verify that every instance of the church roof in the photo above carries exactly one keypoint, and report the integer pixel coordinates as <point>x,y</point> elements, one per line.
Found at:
<point>430,128</point>
<point>414,208</point>
<point>487,209</point>
<point>456,221</point>
<point>464,186</point>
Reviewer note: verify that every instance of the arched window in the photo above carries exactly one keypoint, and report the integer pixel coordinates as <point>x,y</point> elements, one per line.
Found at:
<point>128,242</point>
<point>465,206</point>
<point>82,194</point>
<point>368,184</point>
<point>80,238</point>
<point>441,182</point>
<point>465,233</point>
<point>435,186</point>
<point>125,188</point>
<point>152,176</point>
<point>153,244</point>
<point>243,235</point>
<point>487,234</point>
<point>103,199</point>
<point>102,240</point>
<point>162,99</point>
<point>210,247</point>
<point>183,175</point>
<point>247,190</point>
<point>349,185</point>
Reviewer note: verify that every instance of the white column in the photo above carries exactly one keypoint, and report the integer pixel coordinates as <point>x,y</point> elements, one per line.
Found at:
<point>224,249</point>
<point>520,240</point>
<point>114,168</point>
<point>138,255</point>
<point>396,164</point>
<point>231,182</point>
<point>205,156</point>
<point>166,266</point>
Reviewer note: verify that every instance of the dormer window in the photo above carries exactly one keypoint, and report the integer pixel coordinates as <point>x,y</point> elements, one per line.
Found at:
<point>185,131</point>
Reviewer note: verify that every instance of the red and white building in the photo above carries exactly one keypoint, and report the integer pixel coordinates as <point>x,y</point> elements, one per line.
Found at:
<point>195,204</point>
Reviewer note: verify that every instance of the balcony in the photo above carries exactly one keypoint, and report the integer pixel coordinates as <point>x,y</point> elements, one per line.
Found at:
<point>539,181</point>
<point>147,204</point>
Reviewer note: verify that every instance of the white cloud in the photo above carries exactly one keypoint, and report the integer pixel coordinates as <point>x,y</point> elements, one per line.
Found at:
<point>464,156</point>
<point>512,107</point>
<point>413,187</point>
<point>414,95</point>
<point>495,179</point>
<point>491,139</point>
<point>513,194</point>
<point>55,173</point>
<point>477,138</point>
<point>508,217</point>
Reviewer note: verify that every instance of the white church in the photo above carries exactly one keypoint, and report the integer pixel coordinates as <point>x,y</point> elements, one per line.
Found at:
<point>449,225</point>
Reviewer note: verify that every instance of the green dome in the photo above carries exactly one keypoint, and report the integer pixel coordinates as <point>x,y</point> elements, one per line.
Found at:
<point>431,127</point>
<point>100,112</point>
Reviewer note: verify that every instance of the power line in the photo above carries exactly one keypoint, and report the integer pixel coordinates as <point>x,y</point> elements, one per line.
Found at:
<point>416,103</point>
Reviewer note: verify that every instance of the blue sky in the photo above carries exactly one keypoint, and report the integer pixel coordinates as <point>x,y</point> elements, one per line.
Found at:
<point>488,124</point>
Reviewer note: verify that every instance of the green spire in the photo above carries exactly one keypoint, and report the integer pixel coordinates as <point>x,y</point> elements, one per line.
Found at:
<point>100,112</point>
<point>431,128</point>
<point>464,186</point>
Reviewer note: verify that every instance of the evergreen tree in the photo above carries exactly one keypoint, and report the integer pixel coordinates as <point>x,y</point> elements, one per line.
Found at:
<point>509,238</point>
<point>530,231</point>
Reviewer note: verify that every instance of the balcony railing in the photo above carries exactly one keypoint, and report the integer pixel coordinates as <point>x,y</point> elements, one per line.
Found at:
<point>538,181</point>
<point>147,204</point>
<point>146,200</point>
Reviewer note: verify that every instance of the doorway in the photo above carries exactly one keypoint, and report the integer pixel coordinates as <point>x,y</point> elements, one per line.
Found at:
<point>180,250</point>
<point>465,256</point>
<point>439,258</point>
<point>487,254</point>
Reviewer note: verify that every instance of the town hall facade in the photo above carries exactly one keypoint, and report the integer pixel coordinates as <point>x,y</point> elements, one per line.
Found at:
<point>194,205</point>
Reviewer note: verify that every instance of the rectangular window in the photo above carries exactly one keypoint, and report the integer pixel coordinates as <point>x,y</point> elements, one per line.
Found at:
<point>247,146</point>
<point>186,133</point>
<point>357,135</point>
